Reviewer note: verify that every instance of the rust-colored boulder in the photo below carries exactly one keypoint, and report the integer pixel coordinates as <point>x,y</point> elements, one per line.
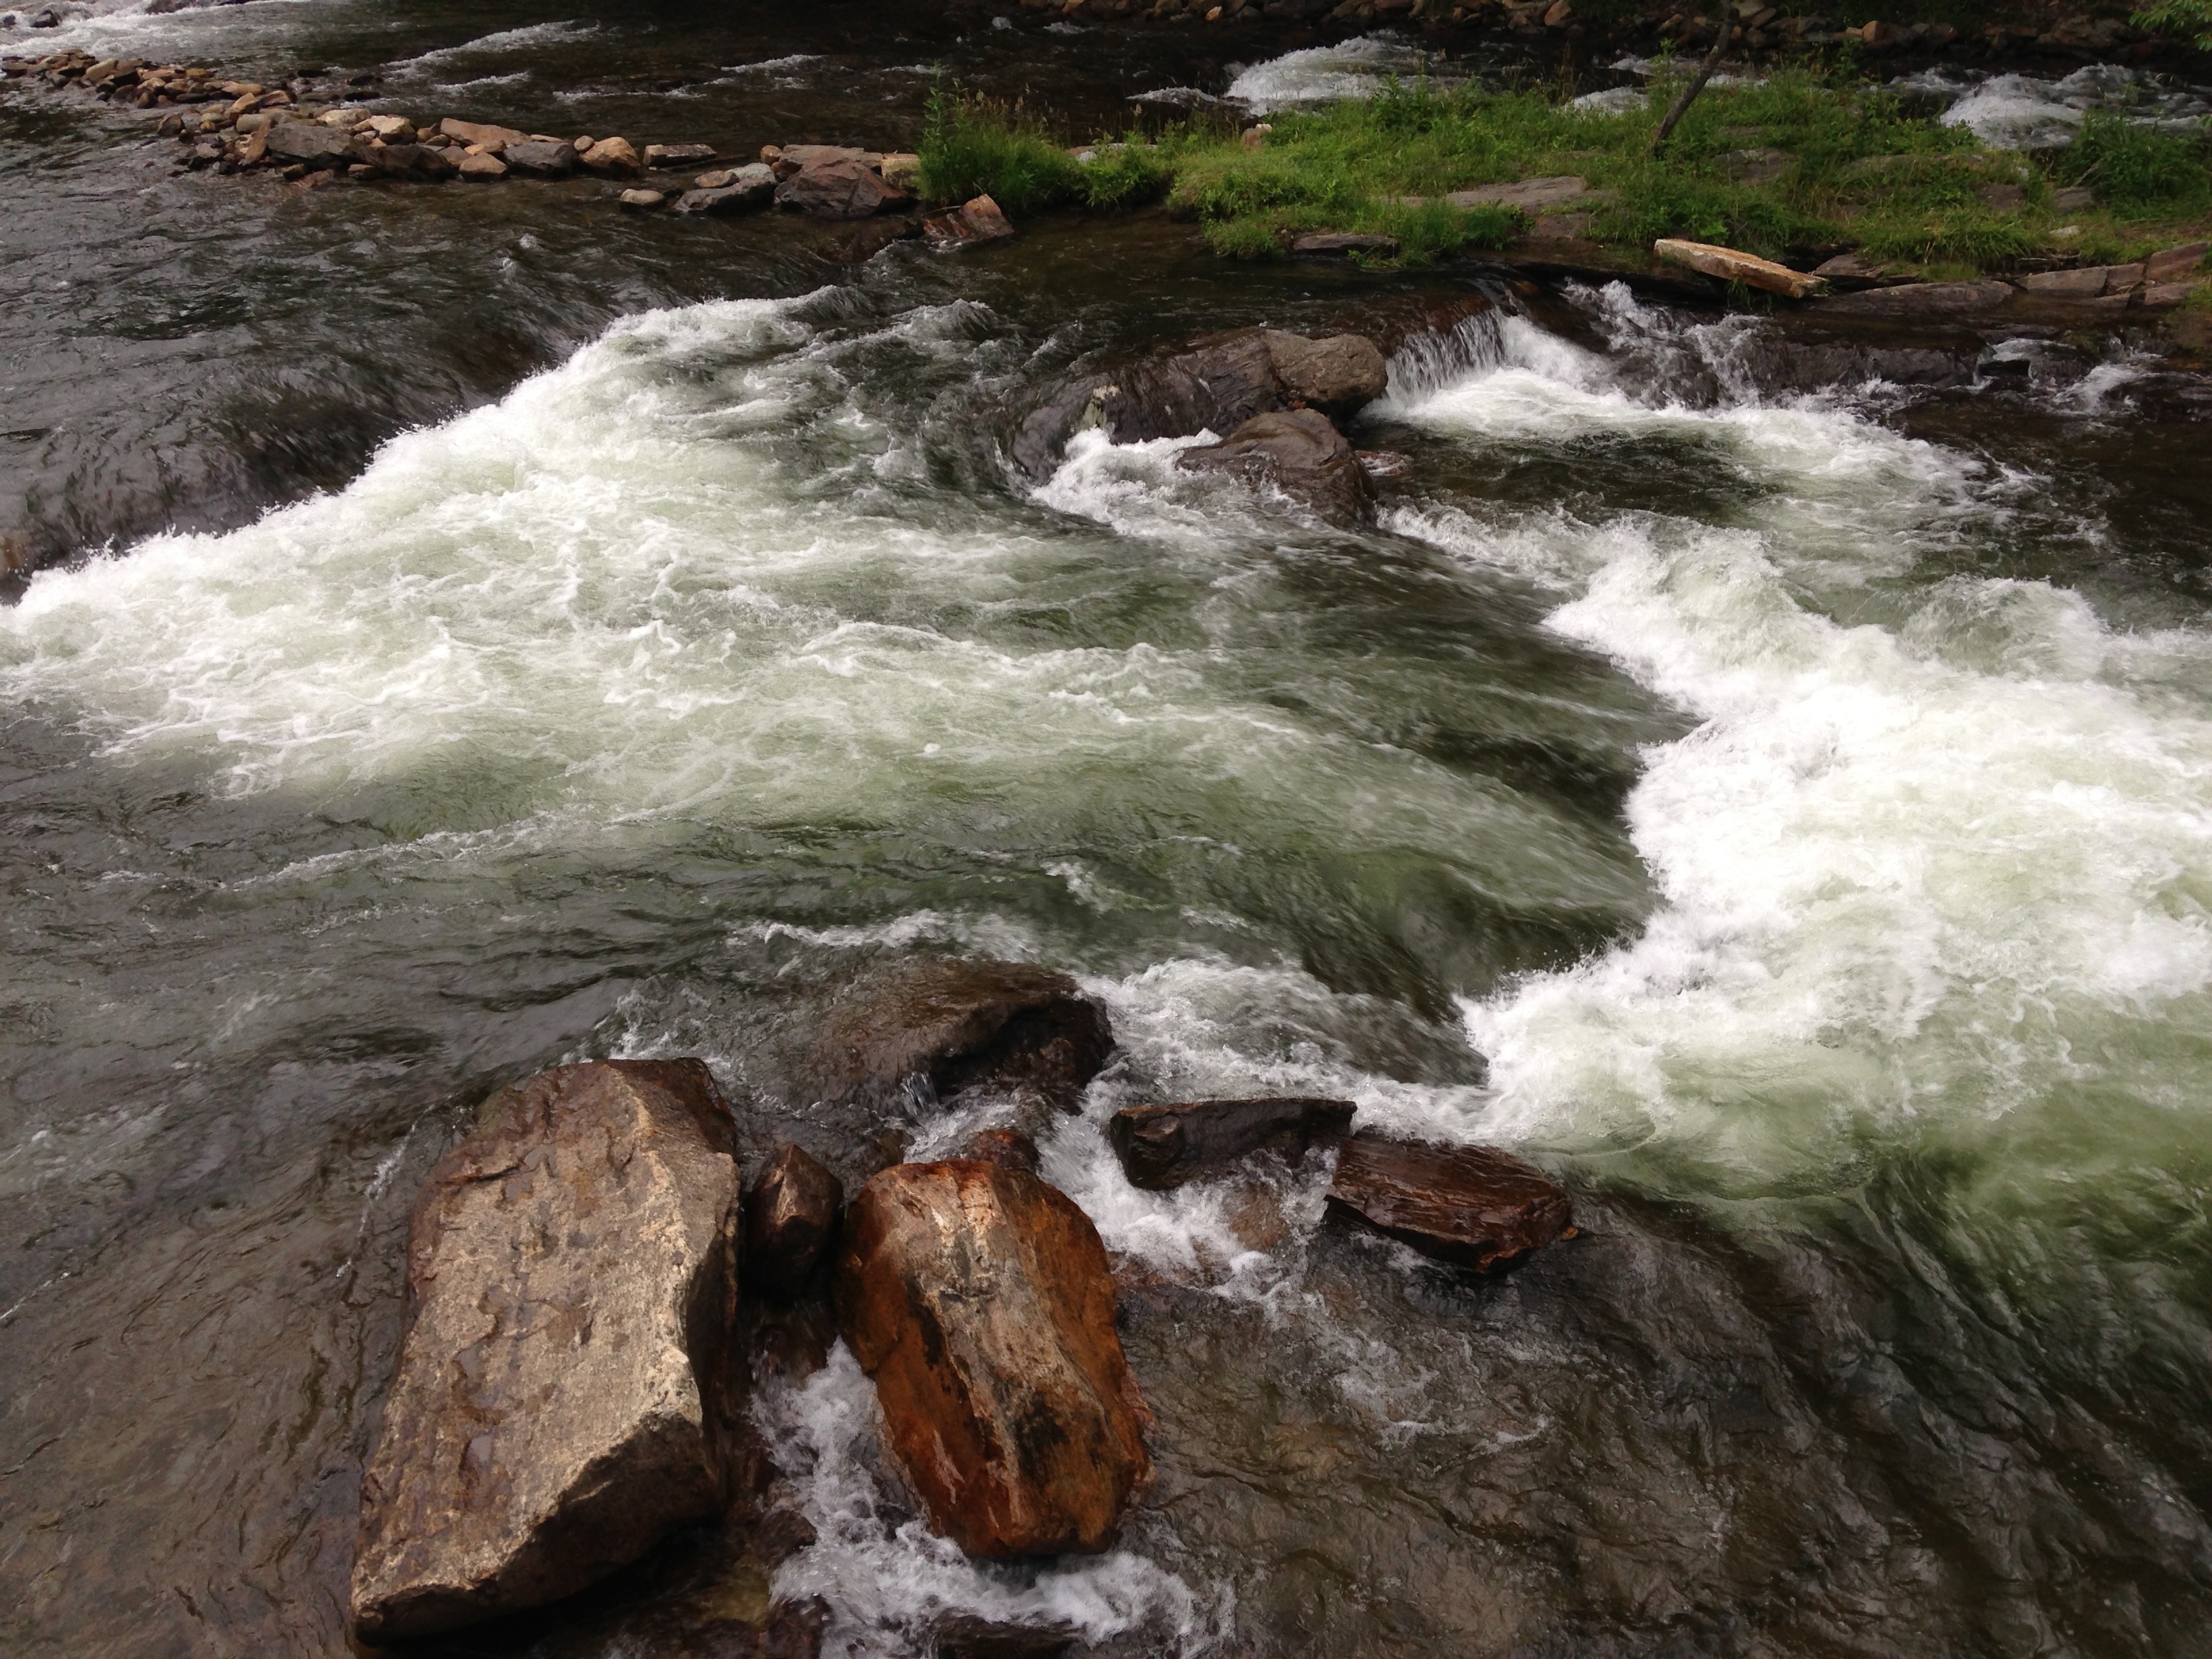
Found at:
<point>1473,1207</point>
<point>1297,452</point>
<point>979,1299</point>
<point>791,1212</point>
<point>842,187</point>
<point>954,1024</point>
<point>1163,1147</point>
<point>562,1397</point>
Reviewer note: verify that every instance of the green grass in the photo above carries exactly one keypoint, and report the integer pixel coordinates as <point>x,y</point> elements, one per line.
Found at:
<point>1856,169</point>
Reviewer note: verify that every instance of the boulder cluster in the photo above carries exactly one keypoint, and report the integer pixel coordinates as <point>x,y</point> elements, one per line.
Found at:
<point>591,1277</point>
<point>1276,395</point>
<point>313,132</point>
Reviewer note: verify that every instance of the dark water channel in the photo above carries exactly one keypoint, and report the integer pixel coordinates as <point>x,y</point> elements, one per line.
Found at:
<point>540,633</point>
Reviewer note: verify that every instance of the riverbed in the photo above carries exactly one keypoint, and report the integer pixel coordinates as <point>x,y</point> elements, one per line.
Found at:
<point>522,632</point>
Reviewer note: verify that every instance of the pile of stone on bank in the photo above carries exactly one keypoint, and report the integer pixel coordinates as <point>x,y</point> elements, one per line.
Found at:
<point>588,1272</point>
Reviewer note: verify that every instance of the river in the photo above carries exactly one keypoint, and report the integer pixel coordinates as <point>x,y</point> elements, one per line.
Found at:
<point>534,633</point>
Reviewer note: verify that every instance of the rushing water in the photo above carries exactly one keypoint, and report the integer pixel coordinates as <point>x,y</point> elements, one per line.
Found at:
<point>1784,818</point>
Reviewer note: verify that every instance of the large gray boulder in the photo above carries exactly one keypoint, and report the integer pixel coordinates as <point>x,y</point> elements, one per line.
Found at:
<point>564,1391</point>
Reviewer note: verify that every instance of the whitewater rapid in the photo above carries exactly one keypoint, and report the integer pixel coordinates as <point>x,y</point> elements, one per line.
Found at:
<point>1925,858</point>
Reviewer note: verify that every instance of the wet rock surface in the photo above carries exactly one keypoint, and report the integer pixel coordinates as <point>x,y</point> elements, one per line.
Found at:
<point>561,1395</point>
<point>979,1300</point>
<point>953,1026</point>
<point>791,1216</point>
<point>841,186</point>
<point>1163,1147</point>
<point>1299,453</point>
<point>1473,1206</point>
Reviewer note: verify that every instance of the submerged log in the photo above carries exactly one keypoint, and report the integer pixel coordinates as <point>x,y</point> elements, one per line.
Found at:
<point>979,1299</point>
<point>1163,1147</point>
<point>1473,1207</point>
<point>562,1396</point>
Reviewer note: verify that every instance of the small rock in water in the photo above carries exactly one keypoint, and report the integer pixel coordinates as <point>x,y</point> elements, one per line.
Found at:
<point>1296,452</point>
<point>564,1389</point>
<point>678,155</point>
<point>718,178</point>
<point>301,141</point>
<point>901,170</point>
<point>978,1297</point>
<point>1003,1026</point>
<point>843,187</point>
<point>791,1214</point>
<point>791,158</point>
<point>643,201</point>
<point>613,156</point>
<point>483,169</point>
<point>742,190</point>
<point>541,158</point>
<point>1163,1147</point>
<point>1473,1207</point>
<point>492,138</point>
<point>976,221</point>
<point>389,127</point>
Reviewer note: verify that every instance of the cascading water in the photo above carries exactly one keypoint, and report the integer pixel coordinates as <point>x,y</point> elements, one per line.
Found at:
<point>1831,913</point>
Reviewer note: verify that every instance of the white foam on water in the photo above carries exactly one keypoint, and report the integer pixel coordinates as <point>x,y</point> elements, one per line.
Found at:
<point>1912,873</point>
<point>2028,112</point>
<point>1354,68</point>
<point>888,1581</point>
<point>501,42</point>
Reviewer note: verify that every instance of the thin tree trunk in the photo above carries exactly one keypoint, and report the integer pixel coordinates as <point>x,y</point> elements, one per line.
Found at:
<point>1689,94</point>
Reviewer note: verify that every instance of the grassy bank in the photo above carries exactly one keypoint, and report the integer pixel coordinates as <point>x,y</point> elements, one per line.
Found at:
<point>1799,161</point>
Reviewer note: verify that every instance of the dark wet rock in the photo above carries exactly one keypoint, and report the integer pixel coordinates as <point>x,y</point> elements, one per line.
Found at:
<point>1216,384</point>
<point>405,161</point>
<point>1339,376</point>
<point>1298,453</point>
<point>969,1636</point>
<point>678,155</point>
<point>1473,1207</point>
<point>541,158</point>
<point>791,1215</point>
<point>1848,273</point>
<point>1163,1147</point>
<point>1009,1149</point>
<point>1789,365</point>
<point>310,141</point>
<point>742,190</point>
<point>973,222</point>
<point>1343,244</point>
<point>978,1297</point>
<point>871,237</point>
<point>940,1026</point>
<point>841,187</point>
<point>561,1397</point>
<point>1917,299</point>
